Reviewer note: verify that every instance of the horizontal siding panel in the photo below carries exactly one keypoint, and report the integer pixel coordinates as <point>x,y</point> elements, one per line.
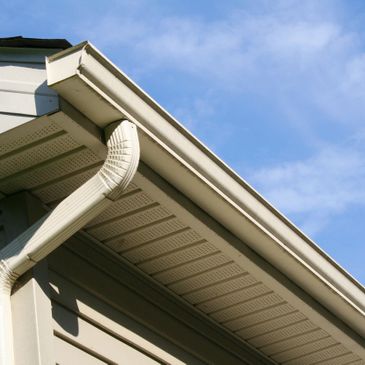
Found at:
<point>96,340</point>
<point>23,90</point>
<point>108,318</point>
<point>67,354</point>
<point>23,73</point>
<point>24,79</point>
<point>26,87</point>
<point>27,104</point>
<point>140,300</point>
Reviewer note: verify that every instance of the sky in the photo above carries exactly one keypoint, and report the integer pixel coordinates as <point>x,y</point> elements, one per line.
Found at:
<point>275,88</point>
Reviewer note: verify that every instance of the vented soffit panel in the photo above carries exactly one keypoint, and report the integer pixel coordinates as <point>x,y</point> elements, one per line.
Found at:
<point>166,235</point>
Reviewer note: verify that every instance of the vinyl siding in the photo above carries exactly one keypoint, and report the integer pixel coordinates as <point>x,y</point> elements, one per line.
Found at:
<point>24,94</point>
<point>104,308</point>
<point>93,327</point>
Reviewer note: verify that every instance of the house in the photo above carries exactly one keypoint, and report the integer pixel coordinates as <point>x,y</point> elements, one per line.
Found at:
<point>125,241</point>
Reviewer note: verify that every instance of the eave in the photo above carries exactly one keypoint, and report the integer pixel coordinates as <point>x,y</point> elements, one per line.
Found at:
<point>90,82</point>
<point>186,180</point>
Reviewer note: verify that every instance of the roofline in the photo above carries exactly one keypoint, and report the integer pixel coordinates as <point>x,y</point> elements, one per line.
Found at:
<point>275,237</point>
<point>88,47</point>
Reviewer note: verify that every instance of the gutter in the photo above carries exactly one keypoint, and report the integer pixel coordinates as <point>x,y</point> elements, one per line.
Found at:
<point>67,218</point>
<point>97,88</point>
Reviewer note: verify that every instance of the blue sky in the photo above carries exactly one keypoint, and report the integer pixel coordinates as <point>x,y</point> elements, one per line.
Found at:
<point>275,88</point>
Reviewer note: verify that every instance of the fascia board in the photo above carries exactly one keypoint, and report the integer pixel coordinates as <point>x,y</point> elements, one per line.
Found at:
<point>108,94</point>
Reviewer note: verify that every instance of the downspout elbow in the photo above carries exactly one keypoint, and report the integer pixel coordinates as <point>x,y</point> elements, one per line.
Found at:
<point>122,159</point>
<point>73,213</point>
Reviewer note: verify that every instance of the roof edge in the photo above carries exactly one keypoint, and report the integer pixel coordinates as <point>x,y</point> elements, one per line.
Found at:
<point>91,49</point>
<point>85,65</point>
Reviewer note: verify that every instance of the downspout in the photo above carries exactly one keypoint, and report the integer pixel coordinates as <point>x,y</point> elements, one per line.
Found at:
<point>67,218</point>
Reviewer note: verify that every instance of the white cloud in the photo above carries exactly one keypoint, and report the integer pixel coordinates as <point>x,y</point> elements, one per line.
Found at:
<point>303,37</point>
<point>292,52</point>
<point>299,55</point>
<point>317,188</point>
<point>191,113</point>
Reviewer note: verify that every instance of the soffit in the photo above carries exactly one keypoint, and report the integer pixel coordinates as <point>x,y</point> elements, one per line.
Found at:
<point>147,227</point>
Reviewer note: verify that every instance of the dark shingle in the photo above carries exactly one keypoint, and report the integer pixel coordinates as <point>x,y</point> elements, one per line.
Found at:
<point>19,41</point>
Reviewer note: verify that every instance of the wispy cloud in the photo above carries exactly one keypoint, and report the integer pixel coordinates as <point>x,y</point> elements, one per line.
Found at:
<point>298,55</point>
<point>316,189</point>
<point>295,52</point>
<point>238,43</point>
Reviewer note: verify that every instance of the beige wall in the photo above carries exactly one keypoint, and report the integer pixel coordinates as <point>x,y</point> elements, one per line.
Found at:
<point>23,87</point>
<point>84,306</point>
